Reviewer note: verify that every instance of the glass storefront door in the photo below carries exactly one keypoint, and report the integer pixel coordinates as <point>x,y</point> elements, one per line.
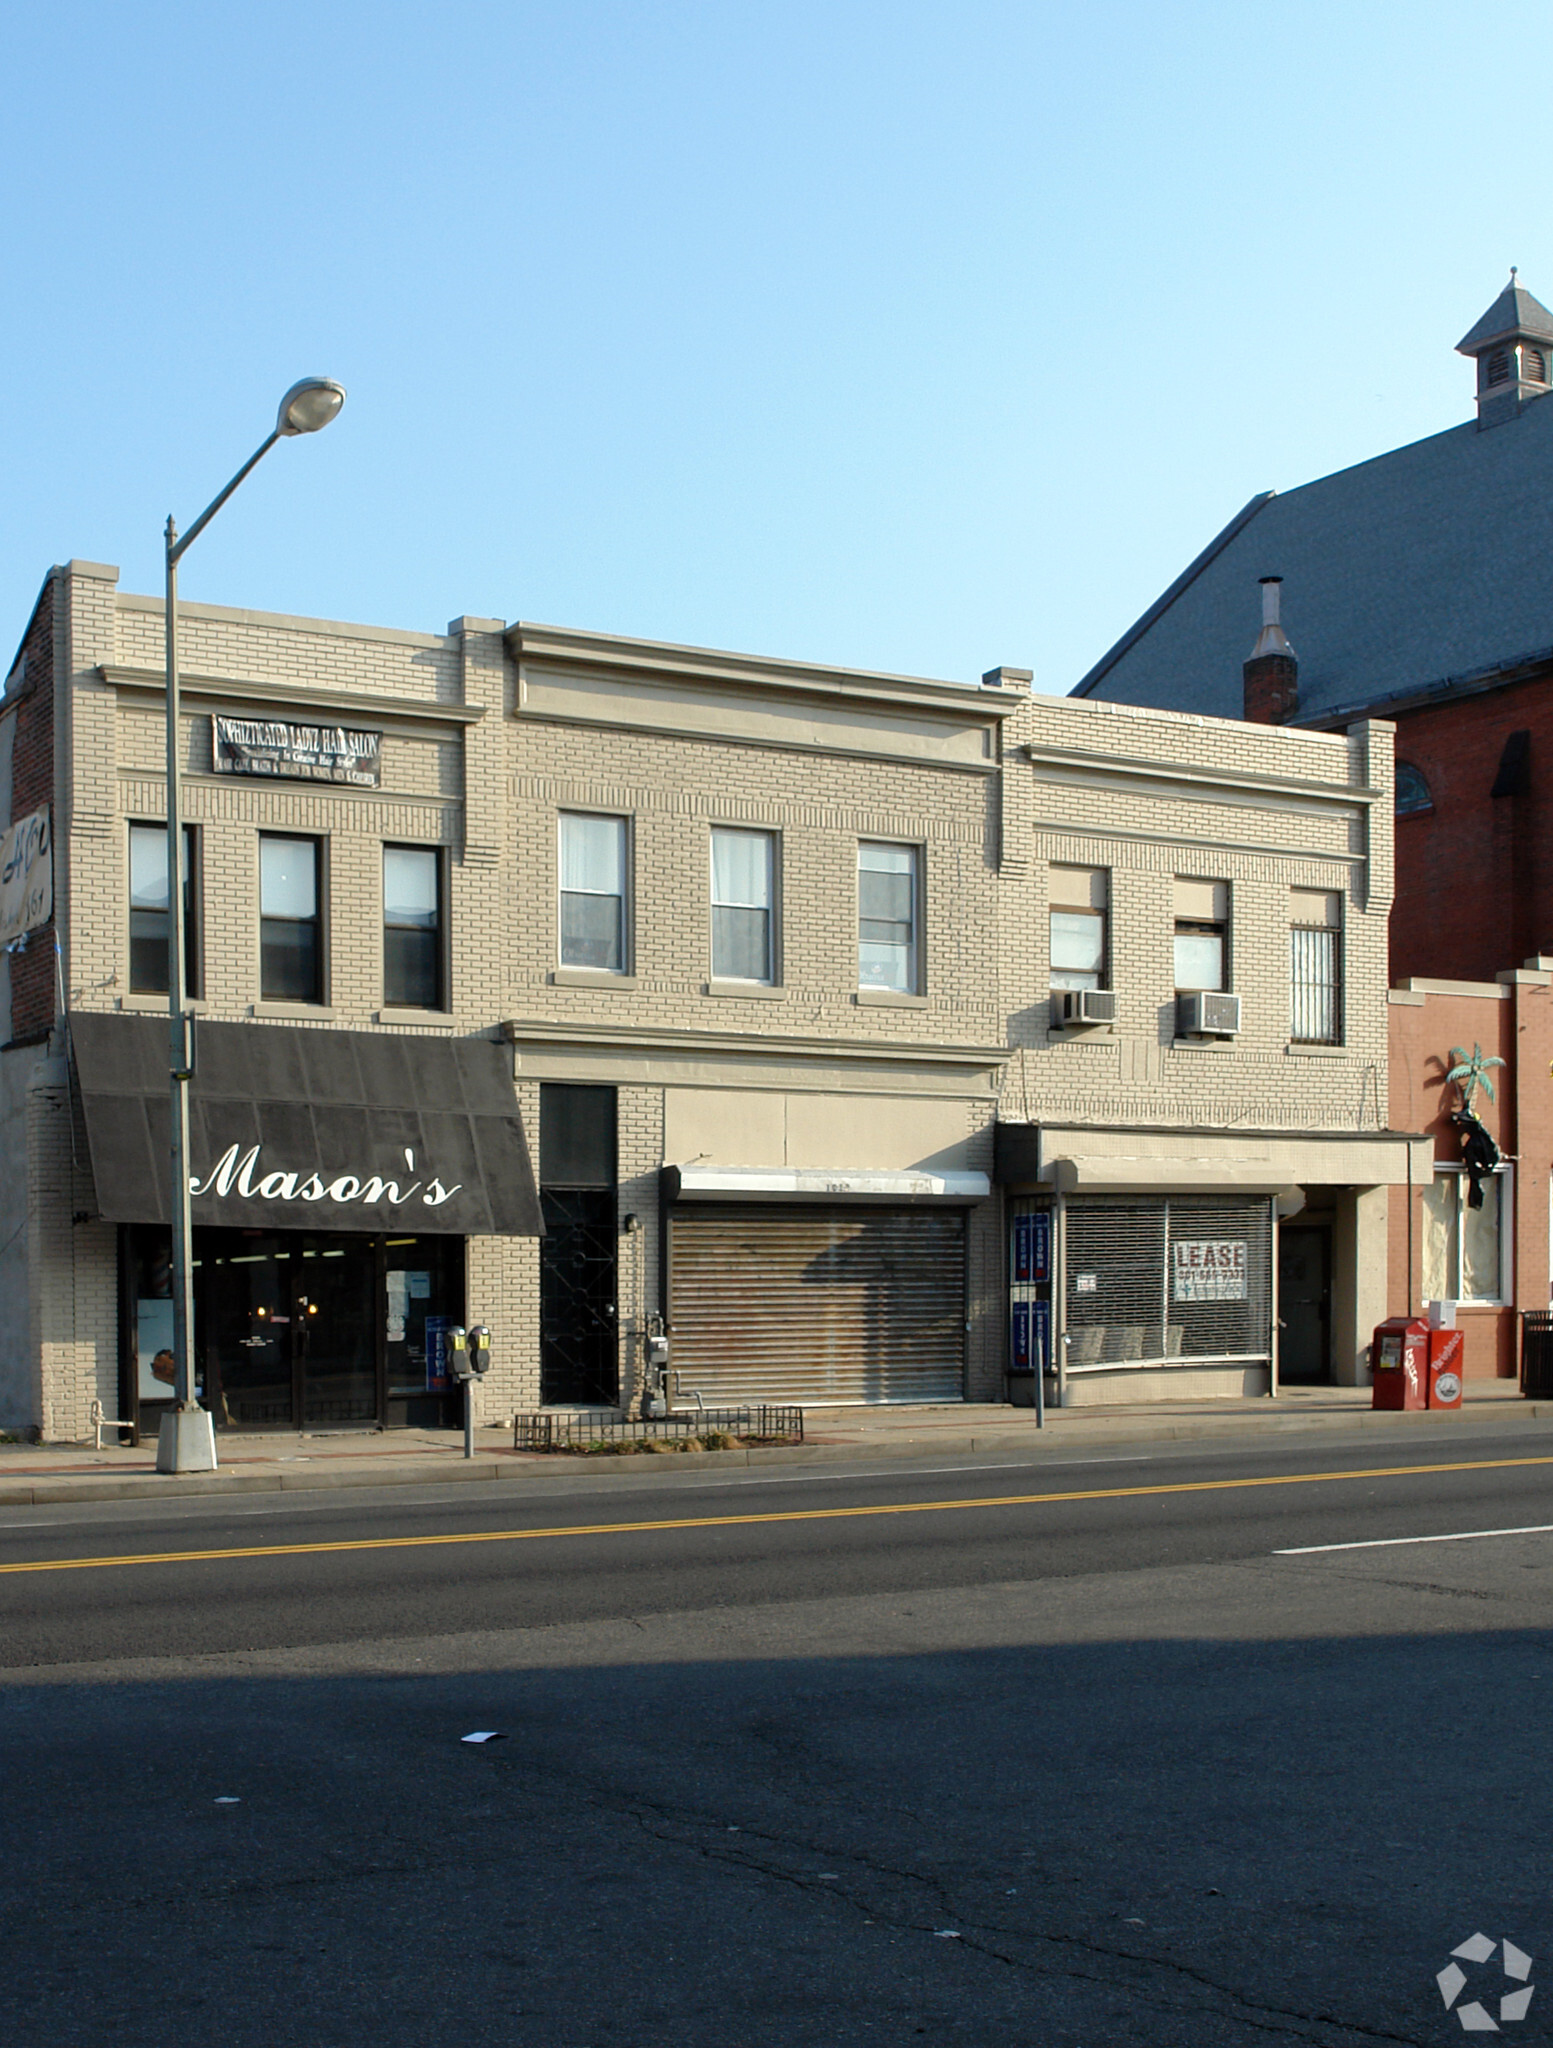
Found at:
<point>298,1330</point>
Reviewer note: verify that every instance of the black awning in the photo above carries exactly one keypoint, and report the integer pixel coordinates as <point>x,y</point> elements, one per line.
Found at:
<point>307,1129</point>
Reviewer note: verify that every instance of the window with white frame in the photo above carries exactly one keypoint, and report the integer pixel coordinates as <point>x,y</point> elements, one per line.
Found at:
<point>1466,1250</point>
<point>593,892</point>
<point>889,916</point>
<point>743,905</point>
<point>1079,899</point>
<point>1315,966</point>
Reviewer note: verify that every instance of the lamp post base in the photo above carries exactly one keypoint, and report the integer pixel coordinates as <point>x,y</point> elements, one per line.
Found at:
<point>187,1441</point>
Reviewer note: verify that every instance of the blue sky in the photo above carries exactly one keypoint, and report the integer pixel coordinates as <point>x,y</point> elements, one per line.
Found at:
<point>905,336</point>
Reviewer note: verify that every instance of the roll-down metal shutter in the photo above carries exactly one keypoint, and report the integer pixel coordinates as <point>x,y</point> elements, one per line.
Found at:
<point>812,1304</point>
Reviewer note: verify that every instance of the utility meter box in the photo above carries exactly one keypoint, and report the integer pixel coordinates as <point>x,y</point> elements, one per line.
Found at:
<point>1399,1360</point>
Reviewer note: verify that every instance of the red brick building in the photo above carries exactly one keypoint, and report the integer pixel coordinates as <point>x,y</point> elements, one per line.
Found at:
<point>1493,1259</point>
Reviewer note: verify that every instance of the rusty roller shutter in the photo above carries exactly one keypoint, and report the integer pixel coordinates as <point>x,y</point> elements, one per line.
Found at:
<point>808,1304</point>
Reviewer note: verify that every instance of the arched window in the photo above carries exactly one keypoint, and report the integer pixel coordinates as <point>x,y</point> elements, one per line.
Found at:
<point>1534,366</point>
<point>1498,370</point>
<point>1412,791</point>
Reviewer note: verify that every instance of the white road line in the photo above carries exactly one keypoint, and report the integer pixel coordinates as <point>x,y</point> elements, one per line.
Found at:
<point>1396,1542</point>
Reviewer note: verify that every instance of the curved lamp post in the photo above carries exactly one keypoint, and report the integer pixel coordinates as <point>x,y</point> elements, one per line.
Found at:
<point>187,1442</point>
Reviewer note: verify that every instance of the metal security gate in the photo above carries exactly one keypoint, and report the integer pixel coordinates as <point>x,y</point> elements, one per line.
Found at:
<point>817,1304</point>
<point>1168,1280</point>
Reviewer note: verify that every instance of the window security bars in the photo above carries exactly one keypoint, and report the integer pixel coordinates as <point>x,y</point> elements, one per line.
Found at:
<point>1167,1281</point>
<point>1315,1011</point>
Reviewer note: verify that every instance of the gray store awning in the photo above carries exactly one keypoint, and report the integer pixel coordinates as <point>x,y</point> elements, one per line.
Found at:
<point>309,1129</point>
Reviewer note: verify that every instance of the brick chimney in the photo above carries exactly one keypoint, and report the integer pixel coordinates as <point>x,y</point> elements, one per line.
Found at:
<point>1271,676</point>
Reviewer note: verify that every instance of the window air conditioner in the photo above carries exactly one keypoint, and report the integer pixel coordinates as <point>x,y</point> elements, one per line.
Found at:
<point>1083,1006</point>
<point>1208,1014</point>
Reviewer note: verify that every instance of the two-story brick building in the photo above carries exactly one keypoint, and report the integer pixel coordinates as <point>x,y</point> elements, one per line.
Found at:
<point>736,975</point>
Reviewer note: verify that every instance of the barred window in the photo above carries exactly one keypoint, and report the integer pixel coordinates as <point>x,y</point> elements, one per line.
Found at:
<point>1315,967</point>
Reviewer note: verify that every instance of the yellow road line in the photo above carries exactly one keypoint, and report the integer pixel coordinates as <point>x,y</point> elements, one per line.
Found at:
<point>921,1507</point>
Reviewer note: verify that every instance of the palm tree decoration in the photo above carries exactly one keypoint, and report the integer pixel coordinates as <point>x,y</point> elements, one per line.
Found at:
<point>1470,1074</point>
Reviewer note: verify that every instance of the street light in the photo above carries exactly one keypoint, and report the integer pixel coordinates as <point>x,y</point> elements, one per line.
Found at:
<point>187,1442</point>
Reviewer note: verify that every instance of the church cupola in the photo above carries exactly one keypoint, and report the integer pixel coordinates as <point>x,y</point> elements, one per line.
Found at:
<point>1513,346</point>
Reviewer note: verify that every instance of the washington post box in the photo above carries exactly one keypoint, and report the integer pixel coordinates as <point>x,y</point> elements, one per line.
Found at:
<point>1399,1359</point>
<point>1444,1369</point>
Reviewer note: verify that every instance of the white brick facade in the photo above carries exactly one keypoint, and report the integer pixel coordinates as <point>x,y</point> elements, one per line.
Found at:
<point>489,733</point>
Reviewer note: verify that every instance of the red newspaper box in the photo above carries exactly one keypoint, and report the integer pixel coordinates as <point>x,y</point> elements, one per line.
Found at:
<point>1399,1360</point>
<point>1445,1368</point>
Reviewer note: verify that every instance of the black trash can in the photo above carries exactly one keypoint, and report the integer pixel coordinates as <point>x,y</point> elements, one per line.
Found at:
<point>1537,1353</point>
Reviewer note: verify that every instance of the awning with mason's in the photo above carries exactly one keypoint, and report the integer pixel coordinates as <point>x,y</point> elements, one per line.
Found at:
<point>294,1129</point>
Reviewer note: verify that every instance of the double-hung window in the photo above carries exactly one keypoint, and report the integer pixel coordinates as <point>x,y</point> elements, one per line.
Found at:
<point>1079,898</point>
<point>412,927</point>
<point>291,957</point>
<point>1315,967</point>
<point>150,912</point>
<point>1466,1250</point>
<point>889,917</point>
<point>1201,934</point>
<point>593,892</point>
<point>743,905</point>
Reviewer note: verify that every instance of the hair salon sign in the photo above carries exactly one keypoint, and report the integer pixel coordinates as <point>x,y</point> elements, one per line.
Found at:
<point>314,753</point>
<point>26,876</point>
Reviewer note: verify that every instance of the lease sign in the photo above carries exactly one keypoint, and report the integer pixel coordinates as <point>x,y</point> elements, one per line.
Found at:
<point>1209,1269</point>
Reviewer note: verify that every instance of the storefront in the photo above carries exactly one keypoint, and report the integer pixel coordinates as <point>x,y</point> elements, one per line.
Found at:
<point>1144,1263</point>
<point>336,1179</point>
<point>825,1287</point>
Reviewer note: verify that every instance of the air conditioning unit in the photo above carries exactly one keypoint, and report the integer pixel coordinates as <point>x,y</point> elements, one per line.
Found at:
<point>1207,1014</point>
<point>1083,1006</point>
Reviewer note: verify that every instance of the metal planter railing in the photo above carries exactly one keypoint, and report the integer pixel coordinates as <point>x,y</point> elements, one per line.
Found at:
<point>762,1424</point>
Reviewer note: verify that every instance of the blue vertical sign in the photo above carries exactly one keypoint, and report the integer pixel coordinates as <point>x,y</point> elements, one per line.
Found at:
<point>436,1354</point>
<point>1019,1338</point>
<point>1041,1245</point>
<point>1041,1335</point>
<point>1022,1248</point>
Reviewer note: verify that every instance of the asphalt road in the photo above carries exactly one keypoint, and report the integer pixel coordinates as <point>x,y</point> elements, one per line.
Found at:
<point>1057,1750</point>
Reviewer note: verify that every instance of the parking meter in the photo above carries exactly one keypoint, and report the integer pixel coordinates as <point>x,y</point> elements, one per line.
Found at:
<point>479,1341</point>
<point>458,1352</point>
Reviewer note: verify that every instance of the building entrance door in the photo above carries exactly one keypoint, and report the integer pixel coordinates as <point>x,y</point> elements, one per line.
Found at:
<point>1304,1304</point>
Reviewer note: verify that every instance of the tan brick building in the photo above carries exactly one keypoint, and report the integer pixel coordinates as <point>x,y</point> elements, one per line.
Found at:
<point>763,953</point>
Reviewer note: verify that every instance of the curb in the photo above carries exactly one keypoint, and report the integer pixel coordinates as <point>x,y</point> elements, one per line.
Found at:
<point>1069,1435</point>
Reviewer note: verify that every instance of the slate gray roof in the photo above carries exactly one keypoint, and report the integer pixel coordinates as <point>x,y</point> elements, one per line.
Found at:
<point>1432,562</point>
<point>1515,311</point>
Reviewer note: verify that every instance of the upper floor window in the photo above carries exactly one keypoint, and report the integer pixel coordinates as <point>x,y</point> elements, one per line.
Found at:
<point>1497,369</point>
<point>889,916</point>
<point>1534,366</point>
<point>412,927</point>
<point>593,892</point>
<point>1412,791</point>
<point>1079,951</point>
<point>1201,934</point>
<point>291,963</point>
<point>743,905</point>
<point>1315,966</point>
<point>150,912</point>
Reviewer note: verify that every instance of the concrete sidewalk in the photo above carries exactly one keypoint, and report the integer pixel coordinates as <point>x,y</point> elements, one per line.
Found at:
<point>56,1473</point>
